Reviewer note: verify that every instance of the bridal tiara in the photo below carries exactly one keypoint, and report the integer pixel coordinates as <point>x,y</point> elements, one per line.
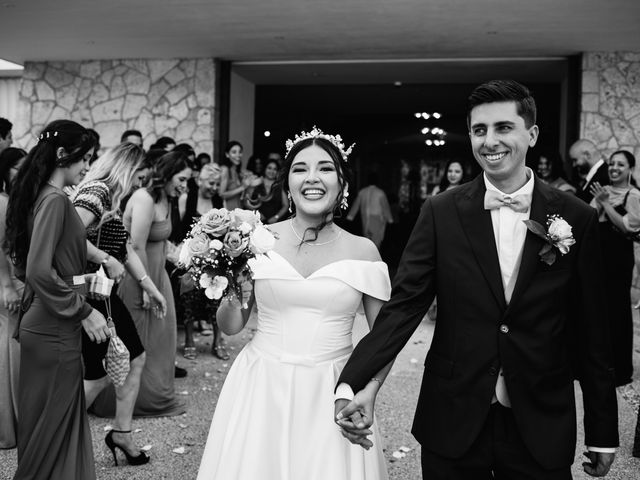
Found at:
<point>315,132</point>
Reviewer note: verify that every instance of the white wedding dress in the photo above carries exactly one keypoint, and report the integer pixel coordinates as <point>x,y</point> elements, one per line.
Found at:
<point>274,417</point>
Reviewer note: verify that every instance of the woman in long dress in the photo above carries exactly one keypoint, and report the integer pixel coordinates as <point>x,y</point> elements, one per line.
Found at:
<point>46,238</point>
<point>274,416</point>
<point>147,218</point>
<point>618,206</point>
<point>11,288</point>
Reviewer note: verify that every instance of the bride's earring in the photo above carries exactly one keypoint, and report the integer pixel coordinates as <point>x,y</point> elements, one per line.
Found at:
<point>344,204</point>
<point>290,202</point>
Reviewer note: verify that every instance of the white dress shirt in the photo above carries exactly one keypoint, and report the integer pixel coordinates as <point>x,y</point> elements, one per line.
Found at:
<point>509,231</point>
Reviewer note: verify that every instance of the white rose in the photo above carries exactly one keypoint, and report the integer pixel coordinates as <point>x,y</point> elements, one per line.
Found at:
<point>215,245</point>
<point>244,228</point>
<point>205,280</point>
<point>261,240</point>
<point>217,288</point>
<point>185,255</point>
<point>559,229</point>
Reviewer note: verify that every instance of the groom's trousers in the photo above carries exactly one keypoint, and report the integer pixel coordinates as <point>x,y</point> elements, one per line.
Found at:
<point>498,453</point>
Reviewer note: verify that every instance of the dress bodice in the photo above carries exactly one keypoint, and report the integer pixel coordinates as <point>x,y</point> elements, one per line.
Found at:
<point>311,318</point>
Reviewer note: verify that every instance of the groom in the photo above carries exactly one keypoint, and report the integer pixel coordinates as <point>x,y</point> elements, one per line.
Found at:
<point>497,396</point>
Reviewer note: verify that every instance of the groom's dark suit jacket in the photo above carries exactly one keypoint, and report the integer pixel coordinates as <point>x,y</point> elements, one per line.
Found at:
<point>452,254</point>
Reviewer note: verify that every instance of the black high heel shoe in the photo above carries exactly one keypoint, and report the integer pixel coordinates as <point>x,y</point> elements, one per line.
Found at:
<point>137,460</point>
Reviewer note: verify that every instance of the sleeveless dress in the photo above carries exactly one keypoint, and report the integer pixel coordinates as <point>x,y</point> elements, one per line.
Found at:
<point>274,416</point>
<point>156,397</point>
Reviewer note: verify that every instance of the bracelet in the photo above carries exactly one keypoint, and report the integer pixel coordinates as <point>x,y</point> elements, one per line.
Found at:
<point>105,260</point>
<point>144,277</point>
<point>374,379</point>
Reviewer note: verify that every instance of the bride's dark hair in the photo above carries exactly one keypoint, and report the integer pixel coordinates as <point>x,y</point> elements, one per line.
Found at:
<point>342,170</point>
<point>36,170</point>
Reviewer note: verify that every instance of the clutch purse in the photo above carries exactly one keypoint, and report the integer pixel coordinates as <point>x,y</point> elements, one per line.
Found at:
<point>99,283</point>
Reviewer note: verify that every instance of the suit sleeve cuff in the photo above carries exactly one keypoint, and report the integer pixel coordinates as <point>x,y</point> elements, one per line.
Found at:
<point>343,391</point>
<point>601,449</point>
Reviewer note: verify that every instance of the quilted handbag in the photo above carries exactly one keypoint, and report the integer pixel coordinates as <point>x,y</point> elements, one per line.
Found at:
<point>116,362</point>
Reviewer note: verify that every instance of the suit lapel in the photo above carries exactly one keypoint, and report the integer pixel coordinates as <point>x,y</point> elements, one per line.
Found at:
<point>476,222</point>
<point>544,202</point>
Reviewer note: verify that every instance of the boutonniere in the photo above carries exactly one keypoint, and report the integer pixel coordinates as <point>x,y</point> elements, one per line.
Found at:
<point>557,236</point>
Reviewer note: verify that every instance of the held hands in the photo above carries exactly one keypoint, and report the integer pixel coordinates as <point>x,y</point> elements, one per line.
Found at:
<point>599,463</point>
<point>599,193</point>
<point>355,417</point>
<point>96,327</point>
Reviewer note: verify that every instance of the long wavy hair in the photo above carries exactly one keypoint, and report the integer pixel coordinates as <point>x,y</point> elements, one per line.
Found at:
<point>37,169</point>
<point>9,158</point>
<point>164,169</point>
<point>117,169</point>
<point>344,179</point>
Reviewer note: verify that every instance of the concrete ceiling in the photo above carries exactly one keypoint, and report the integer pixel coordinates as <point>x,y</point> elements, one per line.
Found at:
<point>400,33</point>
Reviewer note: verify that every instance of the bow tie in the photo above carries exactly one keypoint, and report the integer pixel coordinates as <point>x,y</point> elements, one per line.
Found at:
<point>517,203</point>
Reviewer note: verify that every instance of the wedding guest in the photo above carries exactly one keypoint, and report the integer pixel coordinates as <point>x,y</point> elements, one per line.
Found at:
<point>255,165</point>
<point>202,159</point>
<point>618,207</point>
<point>307,292</point>
<point>193,165</point>
<point>197,308</point>
<point>164,143</point>
<point>109,181</point>
<point>6,137</point>
<point>10,162</point>
<point>148,221</point>
<point>374,209</point>
<point>590,166</point>
<point>268,197</point>
<point>46,241</point>
<point>234,181</point>
<point>514,328</point>
<point>549,169</point>
<point>453,177</point>
<point>132,136</point>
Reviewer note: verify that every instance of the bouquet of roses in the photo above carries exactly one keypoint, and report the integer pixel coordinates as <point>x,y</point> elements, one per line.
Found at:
<point>217,250</point>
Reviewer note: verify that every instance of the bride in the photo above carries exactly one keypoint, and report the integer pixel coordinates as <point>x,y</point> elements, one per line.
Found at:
<point>274,417</point>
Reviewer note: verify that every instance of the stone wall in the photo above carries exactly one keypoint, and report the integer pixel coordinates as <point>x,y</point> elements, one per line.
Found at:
<point>610,114</point>
<point>172,98</point>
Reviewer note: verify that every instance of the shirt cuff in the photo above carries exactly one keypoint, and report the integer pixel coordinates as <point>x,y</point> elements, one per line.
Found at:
<point>343,391</point>
<point>601,449</point>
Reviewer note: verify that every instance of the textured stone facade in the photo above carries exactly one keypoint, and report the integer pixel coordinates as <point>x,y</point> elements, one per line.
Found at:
<point>173,98</point>
<point>610,114</point>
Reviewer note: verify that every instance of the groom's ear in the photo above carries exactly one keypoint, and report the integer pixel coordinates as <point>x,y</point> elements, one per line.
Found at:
<point>533,135</point>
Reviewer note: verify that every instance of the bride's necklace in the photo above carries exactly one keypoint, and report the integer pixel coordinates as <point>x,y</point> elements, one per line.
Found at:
<point>306,242</point>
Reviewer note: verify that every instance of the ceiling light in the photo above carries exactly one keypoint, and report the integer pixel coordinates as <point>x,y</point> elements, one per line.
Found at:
<point>425,115</point>
<point>417,114</point>
<point>397,83</point>
<point>436,115</point>
<point>425,130</point>
<point>267,133</point>
<point>429,142</point>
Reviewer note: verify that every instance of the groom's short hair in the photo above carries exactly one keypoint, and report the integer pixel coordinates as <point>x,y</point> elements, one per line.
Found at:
<point>504,91</point>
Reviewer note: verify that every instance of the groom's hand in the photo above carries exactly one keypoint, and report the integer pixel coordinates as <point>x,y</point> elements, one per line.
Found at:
<point>353,434</point>
<point>599,463</point>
